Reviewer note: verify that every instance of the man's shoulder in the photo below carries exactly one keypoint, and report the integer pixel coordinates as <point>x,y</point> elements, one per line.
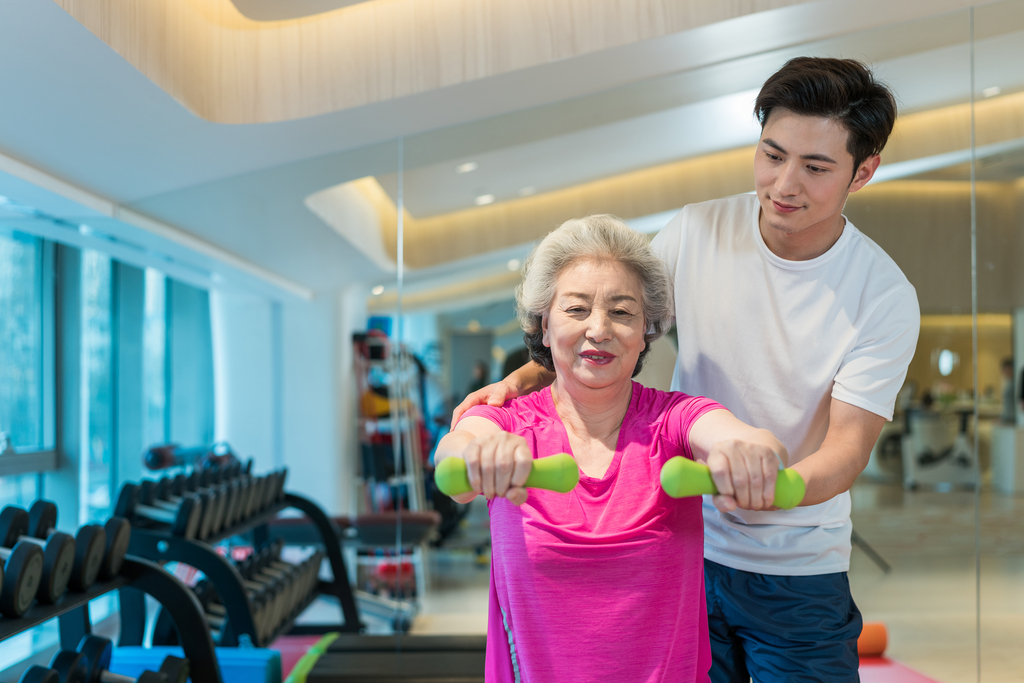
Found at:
<point>736,209</point>
<point>878,267</point>
<point>708,220</point>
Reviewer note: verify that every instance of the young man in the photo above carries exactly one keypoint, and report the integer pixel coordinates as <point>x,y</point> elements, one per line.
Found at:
<point>799,324</point>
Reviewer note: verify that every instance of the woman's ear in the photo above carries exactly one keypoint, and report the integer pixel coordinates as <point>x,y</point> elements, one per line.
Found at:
<point>544,331</point>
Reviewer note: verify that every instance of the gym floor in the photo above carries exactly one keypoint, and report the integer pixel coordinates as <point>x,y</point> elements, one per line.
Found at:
<point>927,600</point>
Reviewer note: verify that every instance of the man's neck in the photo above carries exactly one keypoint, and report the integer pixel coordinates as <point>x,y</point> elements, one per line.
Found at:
<point>805,245</point>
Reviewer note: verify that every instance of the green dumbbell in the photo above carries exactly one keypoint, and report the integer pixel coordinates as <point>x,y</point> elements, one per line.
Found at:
<point>683,477</point>
<point>554,473</point>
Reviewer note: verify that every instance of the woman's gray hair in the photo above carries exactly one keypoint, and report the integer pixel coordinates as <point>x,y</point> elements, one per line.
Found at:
<point>600,237</point>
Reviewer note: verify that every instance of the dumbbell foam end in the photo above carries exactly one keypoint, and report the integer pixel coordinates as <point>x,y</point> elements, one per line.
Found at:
<point>683,477</point>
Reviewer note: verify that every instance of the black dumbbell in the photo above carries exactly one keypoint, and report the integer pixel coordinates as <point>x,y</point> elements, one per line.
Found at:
<point>158,494</point>
<point>184,520</point>
<point>165,631</point>
<point>293,583</point>
<point>39,674</point>
<point>89,548</point>
<point>91,662</point>
<point>119,535</point>
<point>220,499</point>
<point>287,579</point>
<point>58,553</point>
<point>226,496</point>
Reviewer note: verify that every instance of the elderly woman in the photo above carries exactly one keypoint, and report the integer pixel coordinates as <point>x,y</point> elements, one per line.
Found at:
<point>604,583</point>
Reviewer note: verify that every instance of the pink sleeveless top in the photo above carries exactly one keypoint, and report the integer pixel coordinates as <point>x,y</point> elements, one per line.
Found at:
<point>605,583</point>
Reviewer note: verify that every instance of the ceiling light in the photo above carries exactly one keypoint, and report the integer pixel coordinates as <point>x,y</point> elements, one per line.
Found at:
<point>378,290</point>
<point>466,167</point>
<point>484,199</point>
<point>513,265</point>
<point>992,92</point>
<point>527,191</point>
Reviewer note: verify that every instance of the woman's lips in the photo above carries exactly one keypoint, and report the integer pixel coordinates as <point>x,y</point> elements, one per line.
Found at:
<point>597,357</point>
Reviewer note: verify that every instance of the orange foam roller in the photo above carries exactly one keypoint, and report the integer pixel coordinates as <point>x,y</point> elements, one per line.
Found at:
<point>873,639</point>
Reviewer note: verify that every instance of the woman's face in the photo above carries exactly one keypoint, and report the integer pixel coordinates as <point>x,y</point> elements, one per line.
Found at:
<point>595,325</point>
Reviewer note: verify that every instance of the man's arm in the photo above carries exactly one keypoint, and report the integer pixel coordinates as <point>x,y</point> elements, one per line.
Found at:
<point>525,380</point>
<point>843,455</point>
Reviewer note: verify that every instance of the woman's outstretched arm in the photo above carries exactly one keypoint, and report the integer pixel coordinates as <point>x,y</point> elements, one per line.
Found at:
<point>744,461</point>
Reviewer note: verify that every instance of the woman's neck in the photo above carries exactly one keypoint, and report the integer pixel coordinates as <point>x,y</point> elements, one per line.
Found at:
<point>591,413</point>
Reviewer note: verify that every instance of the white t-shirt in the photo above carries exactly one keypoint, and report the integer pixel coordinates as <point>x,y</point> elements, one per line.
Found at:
<point>774,341</point>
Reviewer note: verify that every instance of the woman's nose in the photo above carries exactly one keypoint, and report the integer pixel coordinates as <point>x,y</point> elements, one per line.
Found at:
<point>600,328</point>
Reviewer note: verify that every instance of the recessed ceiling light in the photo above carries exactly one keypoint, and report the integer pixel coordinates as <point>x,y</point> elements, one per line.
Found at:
<point>484,199</point>
<point>467,167</point>
<point>513,264</point>
<point>378,290</point>
<point>992,92</point>
<point>527,191</point>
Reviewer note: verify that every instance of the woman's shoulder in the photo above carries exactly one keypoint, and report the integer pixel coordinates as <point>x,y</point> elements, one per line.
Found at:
<point>528,410</point>
<point>653,405</point>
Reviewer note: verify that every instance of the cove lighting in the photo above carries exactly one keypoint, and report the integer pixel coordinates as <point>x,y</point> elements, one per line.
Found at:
<point>992,92</point>
<point>378,290</point>
<point>484,199</point>
<point>467,167</point>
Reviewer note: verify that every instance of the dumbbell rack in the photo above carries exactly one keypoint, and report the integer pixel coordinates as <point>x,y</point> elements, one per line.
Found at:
<point>137,576</point>
<point>160,546</point>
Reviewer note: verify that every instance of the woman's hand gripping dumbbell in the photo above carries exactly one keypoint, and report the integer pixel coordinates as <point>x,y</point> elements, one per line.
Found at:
<point>553,473</point>
<point>683,477</point>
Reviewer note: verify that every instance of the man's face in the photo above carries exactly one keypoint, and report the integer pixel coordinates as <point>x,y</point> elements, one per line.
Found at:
<point>802,173</point>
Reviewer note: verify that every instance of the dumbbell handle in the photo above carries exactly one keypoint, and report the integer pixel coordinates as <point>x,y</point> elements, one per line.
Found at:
<point>683,477</point>
<point>553,473</point>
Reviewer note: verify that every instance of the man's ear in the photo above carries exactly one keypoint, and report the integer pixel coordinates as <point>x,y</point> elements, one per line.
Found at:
<point>865,172</point>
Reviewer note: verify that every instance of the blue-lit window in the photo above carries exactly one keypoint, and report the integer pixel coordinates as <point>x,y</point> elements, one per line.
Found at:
<point>21,340</point>
<point>96,388</point>
<point>154,359</point>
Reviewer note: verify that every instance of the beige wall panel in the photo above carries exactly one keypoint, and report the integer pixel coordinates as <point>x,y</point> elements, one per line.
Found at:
<point>948,129</point>
<point>925,226</point>
<point>230,69</point>
<point>461,234</point>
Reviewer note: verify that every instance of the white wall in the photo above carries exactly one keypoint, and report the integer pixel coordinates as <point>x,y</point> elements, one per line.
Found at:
<point>243,374</point>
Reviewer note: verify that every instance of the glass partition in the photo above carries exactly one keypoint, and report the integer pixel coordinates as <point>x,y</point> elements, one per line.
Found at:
<point>998,176</point>
<point>476,197</point>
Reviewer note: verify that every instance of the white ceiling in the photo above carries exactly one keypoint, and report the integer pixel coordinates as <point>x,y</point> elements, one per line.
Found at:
<point>76,110</point>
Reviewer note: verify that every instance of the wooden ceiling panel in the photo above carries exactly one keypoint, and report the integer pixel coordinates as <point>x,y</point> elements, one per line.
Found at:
<point>228,68</point>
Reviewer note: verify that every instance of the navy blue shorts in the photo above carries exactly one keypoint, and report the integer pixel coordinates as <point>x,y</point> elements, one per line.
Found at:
<point>781,629</point>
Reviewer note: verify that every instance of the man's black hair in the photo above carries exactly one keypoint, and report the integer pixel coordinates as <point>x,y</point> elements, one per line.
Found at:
<point>843,90</point>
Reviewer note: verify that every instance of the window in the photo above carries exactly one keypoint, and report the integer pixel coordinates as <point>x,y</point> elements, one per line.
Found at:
<point>21,340</point>
<point>154,355</point>
<point>96,388</point>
